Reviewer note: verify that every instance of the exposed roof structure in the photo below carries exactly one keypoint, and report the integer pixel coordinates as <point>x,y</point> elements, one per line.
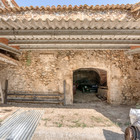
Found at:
<point>4,46</point>
<point>136,10</point>
<point>5,52</point>
<point>8,3</point>
<point>135,7</point>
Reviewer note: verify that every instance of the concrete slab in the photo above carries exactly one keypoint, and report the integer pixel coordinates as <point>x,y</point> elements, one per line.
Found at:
<point>97,133</point>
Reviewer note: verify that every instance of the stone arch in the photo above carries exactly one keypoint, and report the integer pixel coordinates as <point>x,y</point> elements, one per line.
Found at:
<point>101,74</point>
<point>90,73</point>
<point>114,95</point>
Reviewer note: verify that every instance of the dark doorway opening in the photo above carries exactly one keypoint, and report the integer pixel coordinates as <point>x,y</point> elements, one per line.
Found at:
<point>89,85</point>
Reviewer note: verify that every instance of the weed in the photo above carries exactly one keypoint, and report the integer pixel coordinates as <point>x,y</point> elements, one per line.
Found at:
<point>98,120</point>
<point>46,120</point>
<point>75,121</point>
<point>28,58</point>
<point>118,124</point>
<point>76,114</point>
<point>127,123</point>
<point>78,124</point>
<point>84,125</point>
<point>58,124</point>
<point>62,116</point>
<point>52,111</point>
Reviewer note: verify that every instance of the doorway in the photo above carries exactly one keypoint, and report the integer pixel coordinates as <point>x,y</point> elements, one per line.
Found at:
<point>89,85</point>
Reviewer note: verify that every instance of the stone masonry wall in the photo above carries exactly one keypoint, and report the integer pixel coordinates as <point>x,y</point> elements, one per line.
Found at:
<point>45,71</point>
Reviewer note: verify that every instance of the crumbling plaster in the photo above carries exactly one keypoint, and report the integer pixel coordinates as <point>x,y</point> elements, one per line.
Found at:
<point>46,70</point>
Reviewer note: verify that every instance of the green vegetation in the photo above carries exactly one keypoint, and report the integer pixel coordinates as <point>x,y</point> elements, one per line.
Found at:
<point>127,123</point>
<point>46,120</point>
<point>118,124</point>
<point>28,58</point>
<point>97,119</point>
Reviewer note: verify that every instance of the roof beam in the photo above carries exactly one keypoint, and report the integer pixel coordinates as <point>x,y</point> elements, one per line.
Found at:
<point>69,32</point>
<point>75,46</point>
<point>9,49</point>
<point>8,60</point>
<point>73,41</point>
<point>133,51</point>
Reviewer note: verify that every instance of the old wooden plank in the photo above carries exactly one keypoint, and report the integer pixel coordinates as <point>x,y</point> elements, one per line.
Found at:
<point>33,92</point>
<point>28,99</point>
<point>35,101</point>
<point>64,86</point>
<point>35,95</point>
<point>1,93</point>
<point>6,91</point>
<point>8,60</point>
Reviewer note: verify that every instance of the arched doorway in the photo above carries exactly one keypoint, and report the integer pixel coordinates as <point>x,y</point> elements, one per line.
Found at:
<point>112,74</point>
<point>89,84</point>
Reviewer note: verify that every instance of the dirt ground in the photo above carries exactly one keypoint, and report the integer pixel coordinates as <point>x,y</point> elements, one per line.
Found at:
<point>86,97</point>
<point>75,120</point>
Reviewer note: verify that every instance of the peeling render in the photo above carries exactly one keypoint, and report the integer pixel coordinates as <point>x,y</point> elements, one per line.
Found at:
<point>46,70</point>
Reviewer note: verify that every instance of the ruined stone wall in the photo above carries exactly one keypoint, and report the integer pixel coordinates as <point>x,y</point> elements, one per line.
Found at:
<point>46,70</point>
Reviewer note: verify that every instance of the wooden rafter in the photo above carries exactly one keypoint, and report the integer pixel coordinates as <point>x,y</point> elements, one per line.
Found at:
<point>7,60</point>
<point>133,51</point>
<point>9,49</point>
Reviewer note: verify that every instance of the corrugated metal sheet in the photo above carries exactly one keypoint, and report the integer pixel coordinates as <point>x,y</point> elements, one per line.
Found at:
<point>21,125</point>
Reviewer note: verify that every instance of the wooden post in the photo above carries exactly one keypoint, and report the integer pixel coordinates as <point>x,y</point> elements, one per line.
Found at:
<point>64,86</point>
<point>6,91</point>
<point>1,93</point>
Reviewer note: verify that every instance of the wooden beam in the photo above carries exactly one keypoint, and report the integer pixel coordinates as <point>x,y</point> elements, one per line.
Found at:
<point>8,60</point>
<point>9,49</point>
<point>34,95</point>
<point>135,47</point>
<point>75,46</point>
<point>6,33</point>
<point>64,86</point>
<point>133,51</point>
<point>1,93</point>
<point>72,41</point>
<point>6,92</point>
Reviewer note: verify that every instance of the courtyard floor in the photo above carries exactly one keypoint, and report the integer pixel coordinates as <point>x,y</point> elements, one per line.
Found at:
<point>80,121</point>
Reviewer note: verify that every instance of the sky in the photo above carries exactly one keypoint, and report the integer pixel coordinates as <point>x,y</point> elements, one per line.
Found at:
<point>72,2</point>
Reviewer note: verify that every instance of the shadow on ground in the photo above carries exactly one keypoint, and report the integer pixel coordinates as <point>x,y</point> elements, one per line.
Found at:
<point>109,135</point>
<point>119,114</point>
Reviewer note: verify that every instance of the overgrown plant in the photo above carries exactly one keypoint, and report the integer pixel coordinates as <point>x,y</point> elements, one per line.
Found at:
<point>28,58</point>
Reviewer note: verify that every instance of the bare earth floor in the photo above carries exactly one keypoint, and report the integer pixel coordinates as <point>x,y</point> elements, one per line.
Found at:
<point>81,121</point>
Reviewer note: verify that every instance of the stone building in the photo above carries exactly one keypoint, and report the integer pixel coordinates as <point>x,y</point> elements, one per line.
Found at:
<point>53,44</point>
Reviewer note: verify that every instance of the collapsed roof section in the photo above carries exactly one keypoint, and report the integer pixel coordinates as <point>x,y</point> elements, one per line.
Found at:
<point>6,53</point>
<point>8,3</point>
<point>5,47</point>
<point>136,10</point>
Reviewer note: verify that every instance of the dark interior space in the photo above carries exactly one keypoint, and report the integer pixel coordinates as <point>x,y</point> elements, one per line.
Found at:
<point>89,85</point>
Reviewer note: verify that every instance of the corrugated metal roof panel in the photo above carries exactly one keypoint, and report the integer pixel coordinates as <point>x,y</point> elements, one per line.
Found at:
<point>21,125</point>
